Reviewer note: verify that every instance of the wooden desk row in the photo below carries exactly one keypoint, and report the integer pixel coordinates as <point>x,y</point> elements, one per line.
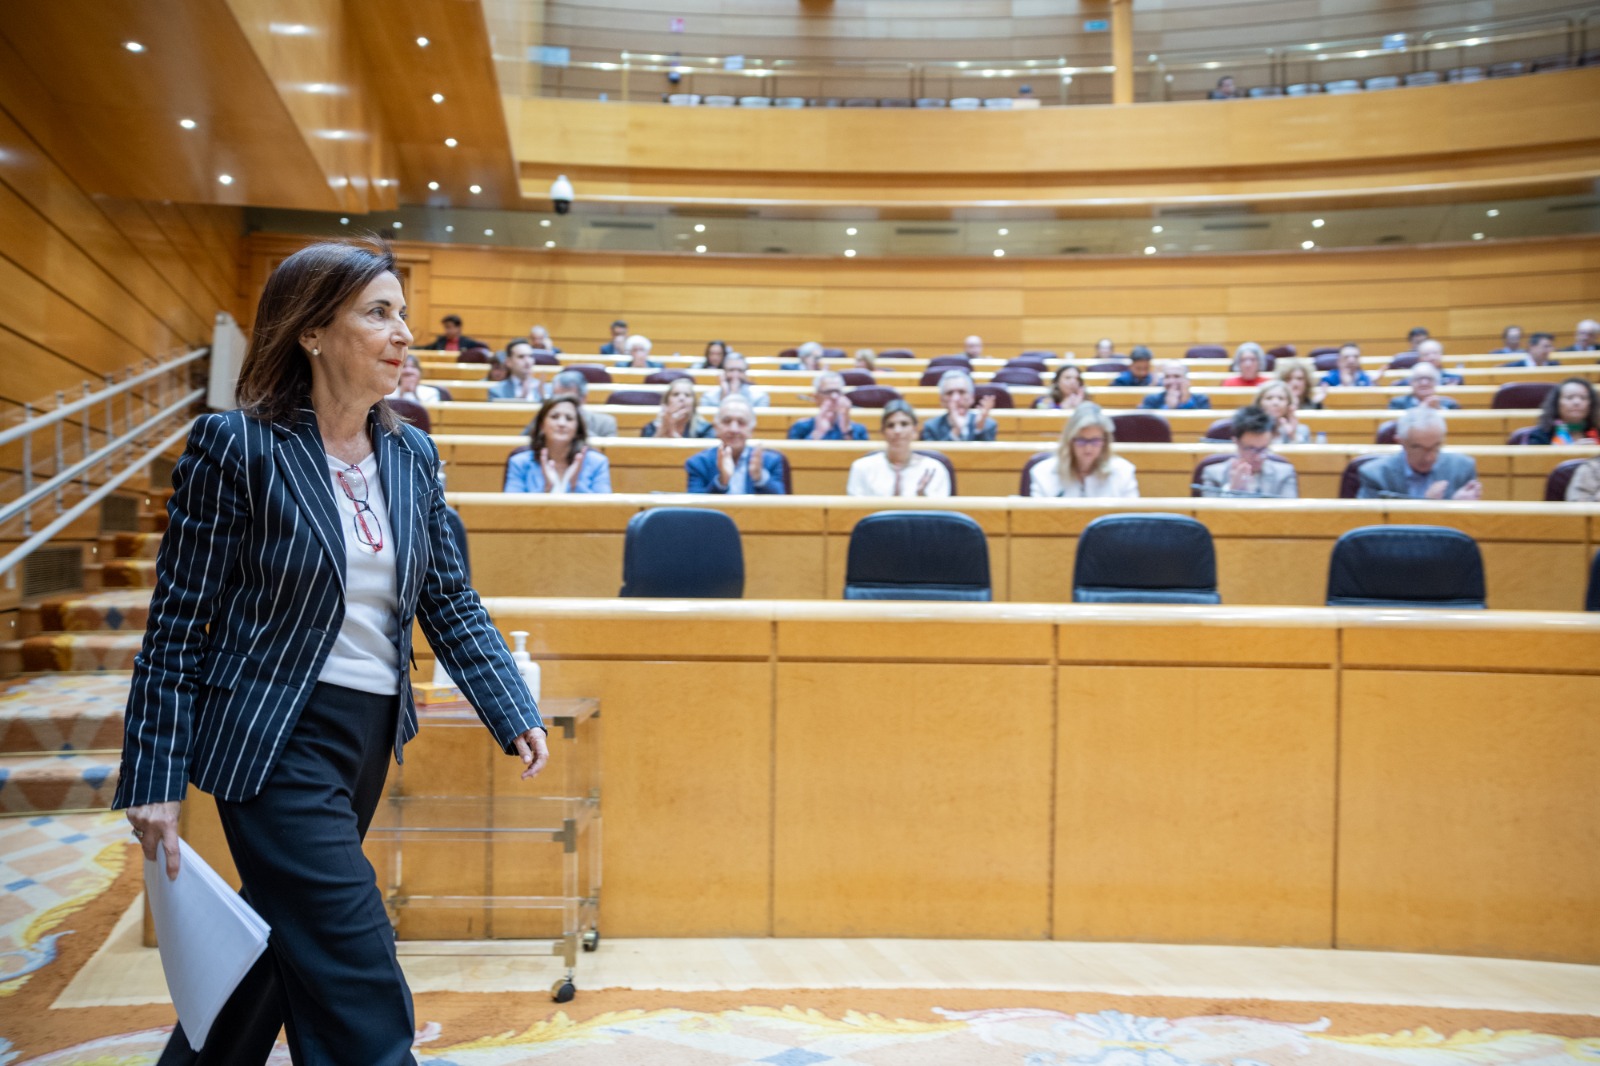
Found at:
<point>1536,555</point>
<point>476,463</point>
<point>1409,781</point>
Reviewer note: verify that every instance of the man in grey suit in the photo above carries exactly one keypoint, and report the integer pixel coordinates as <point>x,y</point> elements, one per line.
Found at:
<point>1254,472</point>
<point>573,383</point>
<point>1421,469</point>
<point>520,384</point>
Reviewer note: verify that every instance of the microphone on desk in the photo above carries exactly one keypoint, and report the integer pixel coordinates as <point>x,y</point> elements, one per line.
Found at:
<point>1223,490</point>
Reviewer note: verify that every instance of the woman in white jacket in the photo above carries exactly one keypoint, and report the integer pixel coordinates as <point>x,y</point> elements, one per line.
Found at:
<point>1084,464</point>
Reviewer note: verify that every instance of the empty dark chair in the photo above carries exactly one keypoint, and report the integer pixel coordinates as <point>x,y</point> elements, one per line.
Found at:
<point>1141,428</point>
<point>1406,566</point>
<point>634,398</point>
<point>1109,366</point>
<point>917,555</point>
<point>1206,351</point>
<point>789,353</point>
<point>957,361</point>
<point>854,378</point>
<point>1521,395</point>
<point>458,529</point>
<point>1520,436</point>
<point>833,353</point>
<point>1555,486</point>
<point>1145,558</point>
<point>413,412</point>
<point>1221,429</point>
<point>1017,375</point>
<point>897,353</point>
<point>1591,600</point>
<point>1282,351</point>
<point>1323,350</point>
<point>944,461</point>
<point>1030,362</point>
<point>1350,480</point>
<point>1388,432</point>
<point>545,357</point>
<point>475,355</point>
<point>594,375</point>
<point>666,377</point>
<point>682,552</point>
<point>1026,488</point>
<point>1036,355</point>
<point>872,396</point>
<point>1001,394</point>
<point>1403,361</point>
<point>1327,361</point>
<point>932,375</point>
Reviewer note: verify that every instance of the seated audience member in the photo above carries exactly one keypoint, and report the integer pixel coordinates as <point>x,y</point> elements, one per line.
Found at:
<point>1301,377</point>
<point>1084,464</point>
<point>1175,394</point>
<point>520,384</point>
<point>832,420</point>
<point>1348,373</point>
<point>1066,391</point>
<point>1569,416</point>
<point>1250,473</point>
<point>897,470</point>
<point>637,347</point>
<point>1431,352</point>
<point>1225,90</point>
<point>452,339</point>
<point>1421,469</point>
<point>1277,399</point>
<point>962,419</point>
<point>1510,342</point>
<point>1424,382</point>
<point>614,346</point>
<point>807,357</point>
<point>559,459</point>
<point>1248,359</point>
<point>1585,484</point>
<point>1585,338</point>
<point>972,347</point>
<point>1540,345</point>
<point>866,359</point>
<point>736,382</point>
<point>716,352</point>
<point>1138,372</point>
<point>539,337</point>
<point>737,466</point>
<point>677,417</point>
<point>411,387</point>
<point>1104,349</point>
<point>1416,336</point>
<point>572,383</point>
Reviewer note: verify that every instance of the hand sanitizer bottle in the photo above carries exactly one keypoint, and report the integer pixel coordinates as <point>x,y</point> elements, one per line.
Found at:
<point>525,664</point>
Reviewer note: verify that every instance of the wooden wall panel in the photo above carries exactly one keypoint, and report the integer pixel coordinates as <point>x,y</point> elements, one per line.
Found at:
<point>1465,293</point>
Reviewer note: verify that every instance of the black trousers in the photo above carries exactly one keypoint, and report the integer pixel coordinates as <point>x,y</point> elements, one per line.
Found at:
<point>329,975</point>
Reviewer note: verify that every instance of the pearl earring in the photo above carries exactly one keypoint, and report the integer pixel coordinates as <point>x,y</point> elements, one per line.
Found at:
<point>316,351</point>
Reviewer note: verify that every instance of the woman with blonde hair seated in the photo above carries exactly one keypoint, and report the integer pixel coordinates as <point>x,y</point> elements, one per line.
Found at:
<point>1301,377</point>
<point>1084,464</point>
<point>866,359</point>
<point>678,416</point>
<point>897,470</point>
<point>1277,399</point>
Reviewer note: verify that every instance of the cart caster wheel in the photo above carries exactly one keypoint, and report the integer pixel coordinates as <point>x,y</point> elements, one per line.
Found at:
<point>563,991</point>
<point>591,939</point>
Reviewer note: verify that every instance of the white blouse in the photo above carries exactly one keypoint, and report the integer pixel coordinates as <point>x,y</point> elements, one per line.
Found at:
<point>1118,479</point>
<point>871,475</point>
<point>366,653</point>
<point>424,394</point>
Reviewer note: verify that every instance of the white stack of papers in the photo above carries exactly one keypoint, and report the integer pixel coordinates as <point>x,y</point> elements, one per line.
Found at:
<point>208,935</point>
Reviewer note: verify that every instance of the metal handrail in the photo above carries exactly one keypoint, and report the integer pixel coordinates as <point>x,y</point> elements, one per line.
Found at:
<point>38,422</point>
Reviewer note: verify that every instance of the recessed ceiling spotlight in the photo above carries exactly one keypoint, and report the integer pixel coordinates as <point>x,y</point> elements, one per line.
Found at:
<point>850,232</point>
<point>1149,249</point>
<point>849,253</point>
<point>475,188</point>
<point>999,253</point>
<point>1477,236</point>
<point>545,222</point>
<point>549,244</point>
<point>226,179</point>
<point>289,29</point>
<point>449,229</point>
<point>1005,232</point>
<point>133,46</point>
<point>438,98</point>
<point>1308,245</point>
<point>344,222</point>
<point>699,247</point>
<point>449,142</point>
<point>488,233</point>
<point>1318,223</point>
<point>187,123</point>
<point>699,227</point>
<point>1155,229</point>
<point>422,42</point>
<point>433,185</point>
<point>1493,212</point>
<point>397,225</point>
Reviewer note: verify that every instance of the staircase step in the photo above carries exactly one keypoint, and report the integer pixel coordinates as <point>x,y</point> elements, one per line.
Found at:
<point>125,610</point>
<point>75,652</point>
<point>56,713</point>
<point>129,546</point>
<point>128,573</point>
<point>153,521</point>
<point>48,783</point>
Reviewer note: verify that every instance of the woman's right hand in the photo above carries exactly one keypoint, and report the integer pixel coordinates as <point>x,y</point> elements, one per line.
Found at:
<point>157,823</point>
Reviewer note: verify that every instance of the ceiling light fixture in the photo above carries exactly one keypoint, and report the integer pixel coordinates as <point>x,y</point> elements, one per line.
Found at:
<point>1155,229</point>
<point>488,233</point>
<point>438,98</point>
<point>1493,212</point>
<point>544,222</point>
<point>344,222</point>
<point>397,225</point>
<point>1477,236</point>
<point>849,253</point>
<point>850,232</point>
<point>475,189</point>
<point>549,244</point>
<point>999,253</point>
<point>133,46</point>
<point>699,227</point>
<point>449,229</point>
<point>1308,245</point>
<point>226,179</point>
<point>1318,223</point>
<point>187,123</point>
<point>422,42</point>
<point>1149,249</point>
<point>449,142</point>
<point>433,185</point>
<point>699,247</point>
<point>1005,232</point>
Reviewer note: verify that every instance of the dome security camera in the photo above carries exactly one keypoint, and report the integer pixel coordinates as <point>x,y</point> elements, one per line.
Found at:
<point>561,194</point>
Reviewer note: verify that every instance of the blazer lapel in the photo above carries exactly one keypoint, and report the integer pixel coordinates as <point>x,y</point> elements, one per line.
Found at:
<point>304,463</point>
<point>400,493</point>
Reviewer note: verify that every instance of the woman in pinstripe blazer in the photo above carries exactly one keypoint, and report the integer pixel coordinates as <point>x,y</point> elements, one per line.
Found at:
<point>306,532</point>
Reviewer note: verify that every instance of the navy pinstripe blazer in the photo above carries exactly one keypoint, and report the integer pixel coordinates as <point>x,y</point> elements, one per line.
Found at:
<point>250,596</point>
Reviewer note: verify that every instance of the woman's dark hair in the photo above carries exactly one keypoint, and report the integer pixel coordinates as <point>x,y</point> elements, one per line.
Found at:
<point>580,437</point>
<point>1550,413</point>
<point>898,407</point>
<point>306,291</point>
<point>1055,382</point>
<point>707,363</point>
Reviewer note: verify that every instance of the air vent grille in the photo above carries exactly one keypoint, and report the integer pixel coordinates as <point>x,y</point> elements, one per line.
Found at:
<point>53,568</point>
<point>606,223</point>
<point>119,514</point>
<point>926,231</point>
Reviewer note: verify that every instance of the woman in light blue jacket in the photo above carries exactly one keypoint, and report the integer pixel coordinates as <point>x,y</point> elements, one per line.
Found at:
<point>559,459</point>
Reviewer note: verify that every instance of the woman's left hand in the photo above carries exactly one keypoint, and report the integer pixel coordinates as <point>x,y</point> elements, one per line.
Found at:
<point>533,750</point>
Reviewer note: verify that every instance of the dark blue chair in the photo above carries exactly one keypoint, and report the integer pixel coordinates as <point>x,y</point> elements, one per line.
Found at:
<point>1145,558</point>
<point>1406,566</point>
<point>682,553</point>
<point>1591,601</point>
<point>917,555</point>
